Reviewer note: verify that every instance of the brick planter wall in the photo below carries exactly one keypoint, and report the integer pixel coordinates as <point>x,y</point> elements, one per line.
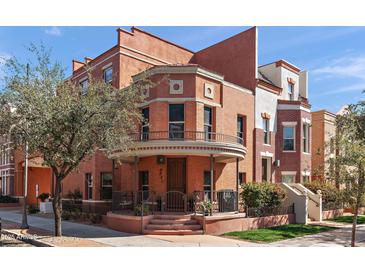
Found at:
<point>329,214</point>
<point>218,225</point>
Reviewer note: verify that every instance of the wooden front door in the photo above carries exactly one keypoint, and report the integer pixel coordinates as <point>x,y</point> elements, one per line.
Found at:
<point>176,184</point>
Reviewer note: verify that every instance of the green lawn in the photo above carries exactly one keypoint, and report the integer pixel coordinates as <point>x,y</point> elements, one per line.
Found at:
<point>278,233</point>
<point>348,219</point>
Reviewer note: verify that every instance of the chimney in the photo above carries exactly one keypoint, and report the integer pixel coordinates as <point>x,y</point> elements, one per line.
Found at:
<point>76,65</point>
<point>88,59</point>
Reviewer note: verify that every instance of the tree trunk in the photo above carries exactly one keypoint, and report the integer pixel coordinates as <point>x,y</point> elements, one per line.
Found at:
<point>360,192</point>
<point>57,207</point>
<point>354,223</point>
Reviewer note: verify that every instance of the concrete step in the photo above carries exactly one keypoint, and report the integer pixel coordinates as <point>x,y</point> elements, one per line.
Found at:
<point>173,227</point>
<point>173,217</point>
<point>173,232</point>
<point>170,222</point>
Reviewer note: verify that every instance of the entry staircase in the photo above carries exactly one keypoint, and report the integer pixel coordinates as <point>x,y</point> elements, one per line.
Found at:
<point>173,225</point>
<point>308,205</point>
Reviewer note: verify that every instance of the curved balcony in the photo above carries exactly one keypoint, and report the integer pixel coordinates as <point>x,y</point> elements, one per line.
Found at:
<point>223,147</point>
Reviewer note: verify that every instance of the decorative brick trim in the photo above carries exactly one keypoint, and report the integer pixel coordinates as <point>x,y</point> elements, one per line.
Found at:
<point>291,80</point>
<point>268,87</point>
<point>265,115</point>
<point>288,66</point>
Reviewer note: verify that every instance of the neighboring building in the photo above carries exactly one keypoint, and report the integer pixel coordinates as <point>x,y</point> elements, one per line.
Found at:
<point>323,145</point>
<point>6,167</point>
<point>216,120</point>
<point>282,124</point>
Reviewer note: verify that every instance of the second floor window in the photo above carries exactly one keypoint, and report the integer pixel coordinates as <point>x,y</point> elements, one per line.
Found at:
<point>208,120</point>
<point>240,129</point>
<point>291,91</point>
<point>266,128</point>
<point>176,121</point>
<point>305,138</point>
<point>108,75</point>
<point>84,86</point>
<point>145,123</point>
<point>288,134</point>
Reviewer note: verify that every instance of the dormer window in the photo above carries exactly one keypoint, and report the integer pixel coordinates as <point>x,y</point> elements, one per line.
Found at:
<point>291,91</point>
<point>108,75</point>
<point>84,84</point>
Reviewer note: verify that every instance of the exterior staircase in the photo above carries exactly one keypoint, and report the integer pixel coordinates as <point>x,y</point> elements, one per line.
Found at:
<point>173,225</point>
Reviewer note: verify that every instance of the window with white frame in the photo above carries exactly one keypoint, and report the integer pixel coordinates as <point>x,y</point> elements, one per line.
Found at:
<point>241,129</point>
<point>306,138</point>
<point>84,84</point>
<point>289,138</point>
<point>208,123</point>
<point>108,75</point>
<point>145,123</point>
<point>176,121</point>
<point>89,185</point>
<point>106,185</point>
<point>266,128</point>
<point>288,178</point>
<point>291,91</point>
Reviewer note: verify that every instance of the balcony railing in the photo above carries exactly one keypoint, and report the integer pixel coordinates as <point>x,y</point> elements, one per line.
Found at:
<point>186,136</point>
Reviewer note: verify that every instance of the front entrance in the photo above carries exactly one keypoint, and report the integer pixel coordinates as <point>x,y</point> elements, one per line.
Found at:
<point>176,184</point>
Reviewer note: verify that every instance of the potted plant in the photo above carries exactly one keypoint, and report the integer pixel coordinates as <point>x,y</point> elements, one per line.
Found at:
<point>45,206</point>
<point>44,197</point>
<point>206,208</point>
<point>138,210</point>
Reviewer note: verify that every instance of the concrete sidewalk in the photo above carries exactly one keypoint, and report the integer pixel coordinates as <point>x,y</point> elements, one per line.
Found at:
<point>115,238</point>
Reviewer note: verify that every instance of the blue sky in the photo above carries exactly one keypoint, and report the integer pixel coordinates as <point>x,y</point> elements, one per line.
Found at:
<point>334,56</point>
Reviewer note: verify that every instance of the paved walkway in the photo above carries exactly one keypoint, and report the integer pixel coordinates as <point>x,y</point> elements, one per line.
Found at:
<point>109,237</point>
<point>115,238</point>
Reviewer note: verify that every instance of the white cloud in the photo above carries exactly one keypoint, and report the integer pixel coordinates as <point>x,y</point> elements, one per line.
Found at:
<point>347,66</point>
<point>54,31</point>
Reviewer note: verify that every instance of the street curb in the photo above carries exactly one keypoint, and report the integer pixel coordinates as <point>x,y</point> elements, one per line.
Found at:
<point>25,238</point>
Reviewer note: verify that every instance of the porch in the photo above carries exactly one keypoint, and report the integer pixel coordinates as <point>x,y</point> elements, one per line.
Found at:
<point>175,202</point>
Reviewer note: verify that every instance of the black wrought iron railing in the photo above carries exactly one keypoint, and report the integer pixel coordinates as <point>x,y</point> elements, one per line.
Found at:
<point>269,211</point>
<point>186,136</point>
<point>175,201</point>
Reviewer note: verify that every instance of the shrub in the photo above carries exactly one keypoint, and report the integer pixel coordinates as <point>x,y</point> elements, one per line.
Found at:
<point>75,195</point>
<point>262,195</point>
<point>330,193</point>
<point>32,209</point>
<point>43,196</point>
<point>138,210</point>
<point>95,218</point>
<point>66,215</point>
<point>8,199</point>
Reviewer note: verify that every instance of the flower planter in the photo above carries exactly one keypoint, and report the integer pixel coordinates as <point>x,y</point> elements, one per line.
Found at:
<point>45,207</point>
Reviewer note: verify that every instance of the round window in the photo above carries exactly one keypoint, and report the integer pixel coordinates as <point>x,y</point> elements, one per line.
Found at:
<point>176,86</point>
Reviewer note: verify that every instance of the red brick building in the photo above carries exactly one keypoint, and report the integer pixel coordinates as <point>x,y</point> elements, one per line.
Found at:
<point>215,120</point>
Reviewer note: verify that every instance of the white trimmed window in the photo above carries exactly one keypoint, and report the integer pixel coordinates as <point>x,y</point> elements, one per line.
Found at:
<point>266,128</point>
<point>89,185</point>
<point>84,84</point>
<point>306,138</point>
<point>288,177</point>
<point>291,91</point>
<point>108,75</point>
<point>289,138</point>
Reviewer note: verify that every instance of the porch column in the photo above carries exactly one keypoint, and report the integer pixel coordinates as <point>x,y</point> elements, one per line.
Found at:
<point>211,176</point>
<point>237,181</point>
<point>135,188</point>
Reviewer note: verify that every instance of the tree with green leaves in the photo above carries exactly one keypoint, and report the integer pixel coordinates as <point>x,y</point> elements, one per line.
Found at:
<point>61,122</point>
<point>350,157</point>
